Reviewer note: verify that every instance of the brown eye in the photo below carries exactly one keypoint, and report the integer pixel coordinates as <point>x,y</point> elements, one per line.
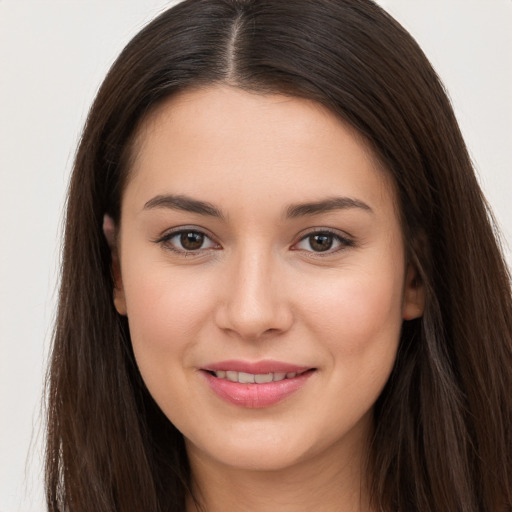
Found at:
<point>321,242</point>
<point>187,242</point>
<point>191,240</point>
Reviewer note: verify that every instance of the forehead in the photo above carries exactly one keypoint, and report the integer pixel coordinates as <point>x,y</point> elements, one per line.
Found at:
<point>221,141</point>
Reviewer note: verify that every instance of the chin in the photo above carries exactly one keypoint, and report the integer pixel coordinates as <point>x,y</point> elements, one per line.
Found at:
<point>251,453</point>
<point>257,459</point>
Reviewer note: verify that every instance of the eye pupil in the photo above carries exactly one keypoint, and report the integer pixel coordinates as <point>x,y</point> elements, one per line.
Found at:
<point>321,242</point>
<point>191,240</point>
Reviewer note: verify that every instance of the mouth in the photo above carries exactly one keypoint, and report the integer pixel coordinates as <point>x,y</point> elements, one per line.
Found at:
<point>255,378</point>
<point>256,385</point>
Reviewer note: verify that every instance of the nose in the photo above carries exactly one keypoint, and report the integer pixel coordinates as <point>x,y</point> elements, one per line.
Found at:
<point>254,302</point>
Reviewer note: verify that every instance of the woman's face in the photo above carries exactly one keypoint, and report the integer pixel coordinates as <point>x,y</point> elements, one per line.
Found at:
<point>263,275</point>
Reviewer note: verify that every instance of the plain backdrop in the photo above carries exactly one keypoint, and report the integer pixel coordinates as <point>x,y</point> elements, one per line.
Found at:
<point>53,56</point>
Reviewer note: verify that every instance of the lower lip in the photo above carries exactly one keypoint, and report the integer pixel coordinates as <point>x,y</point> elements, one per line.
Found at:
<point>256,396</point>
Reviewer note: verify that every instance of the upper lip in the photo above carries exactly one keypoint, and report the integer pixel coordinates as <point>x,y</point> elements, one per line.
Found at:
<point>256,367</point>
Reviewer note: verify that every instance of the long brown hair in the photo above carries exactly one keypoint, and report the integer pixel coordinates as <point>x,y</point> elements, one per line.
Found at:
<point>442,437</point>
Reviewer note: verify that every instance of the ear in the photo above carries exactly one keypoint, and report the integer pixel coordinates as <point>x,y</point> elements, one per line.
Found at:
<point>110,232</point>
<point>414,295</point>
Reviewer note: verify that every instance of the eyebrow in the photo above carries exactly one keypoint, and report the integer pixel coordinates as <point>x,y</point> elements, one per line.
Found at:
<point>188,204</point>
<point>184,203</point>
<point>327,205</point>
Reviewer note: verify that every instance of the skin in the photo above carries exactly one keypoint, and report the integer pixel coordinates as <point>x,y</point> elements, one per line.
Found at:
<point>259,289</point>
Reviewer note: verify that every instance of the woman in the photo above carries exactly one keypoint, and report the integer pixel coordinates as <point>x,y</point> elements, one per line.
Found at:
<point>281,287</point>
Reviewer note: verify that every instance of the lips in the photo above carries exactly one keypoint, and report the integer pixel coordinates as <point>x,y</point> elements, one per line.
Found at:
<point>255,385</point>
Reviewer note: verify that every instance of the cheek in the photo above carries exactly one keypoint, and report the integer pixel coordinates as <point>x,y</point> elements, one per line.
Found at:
<point>357,307</point>
<point>373,305</point>
<point>360,332</point>
<point>360,329</point>
<point>166,310</point>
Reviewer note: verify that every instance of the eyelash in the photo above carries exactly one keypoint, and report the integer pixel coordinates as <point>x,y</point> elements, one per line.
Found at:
<point>166,242</point>
<point>342,241</point>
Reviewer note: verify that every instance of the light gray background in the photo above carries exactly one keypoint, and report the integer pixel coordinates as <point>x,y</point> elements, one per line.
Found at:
<point>53,56</point>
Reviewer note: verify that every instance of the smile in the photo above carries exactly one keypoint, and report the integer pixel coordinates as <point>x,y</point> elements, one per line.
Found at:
<point>256,385</point>
<point>251,378</point>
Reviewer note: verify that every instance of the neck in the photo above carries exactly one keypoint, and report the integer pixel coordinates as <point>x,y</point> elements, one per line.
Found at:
<point>325,482</point>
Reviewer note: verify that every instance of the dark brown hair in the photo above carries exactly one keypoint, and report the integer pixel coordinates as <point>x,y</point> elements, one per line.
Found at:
<point>442,438</point>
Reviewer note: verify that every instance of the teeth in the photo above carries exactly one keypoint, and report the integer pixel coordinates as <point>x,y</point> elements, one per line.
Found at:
<point>251,378</point>
<point>232,376</point>
<point>262,379</point>
<point>245,378</point>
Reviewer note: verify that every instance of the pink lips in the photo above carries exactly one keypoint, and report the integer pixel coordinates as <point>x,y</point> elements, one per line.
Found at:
<point>256,395</point>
